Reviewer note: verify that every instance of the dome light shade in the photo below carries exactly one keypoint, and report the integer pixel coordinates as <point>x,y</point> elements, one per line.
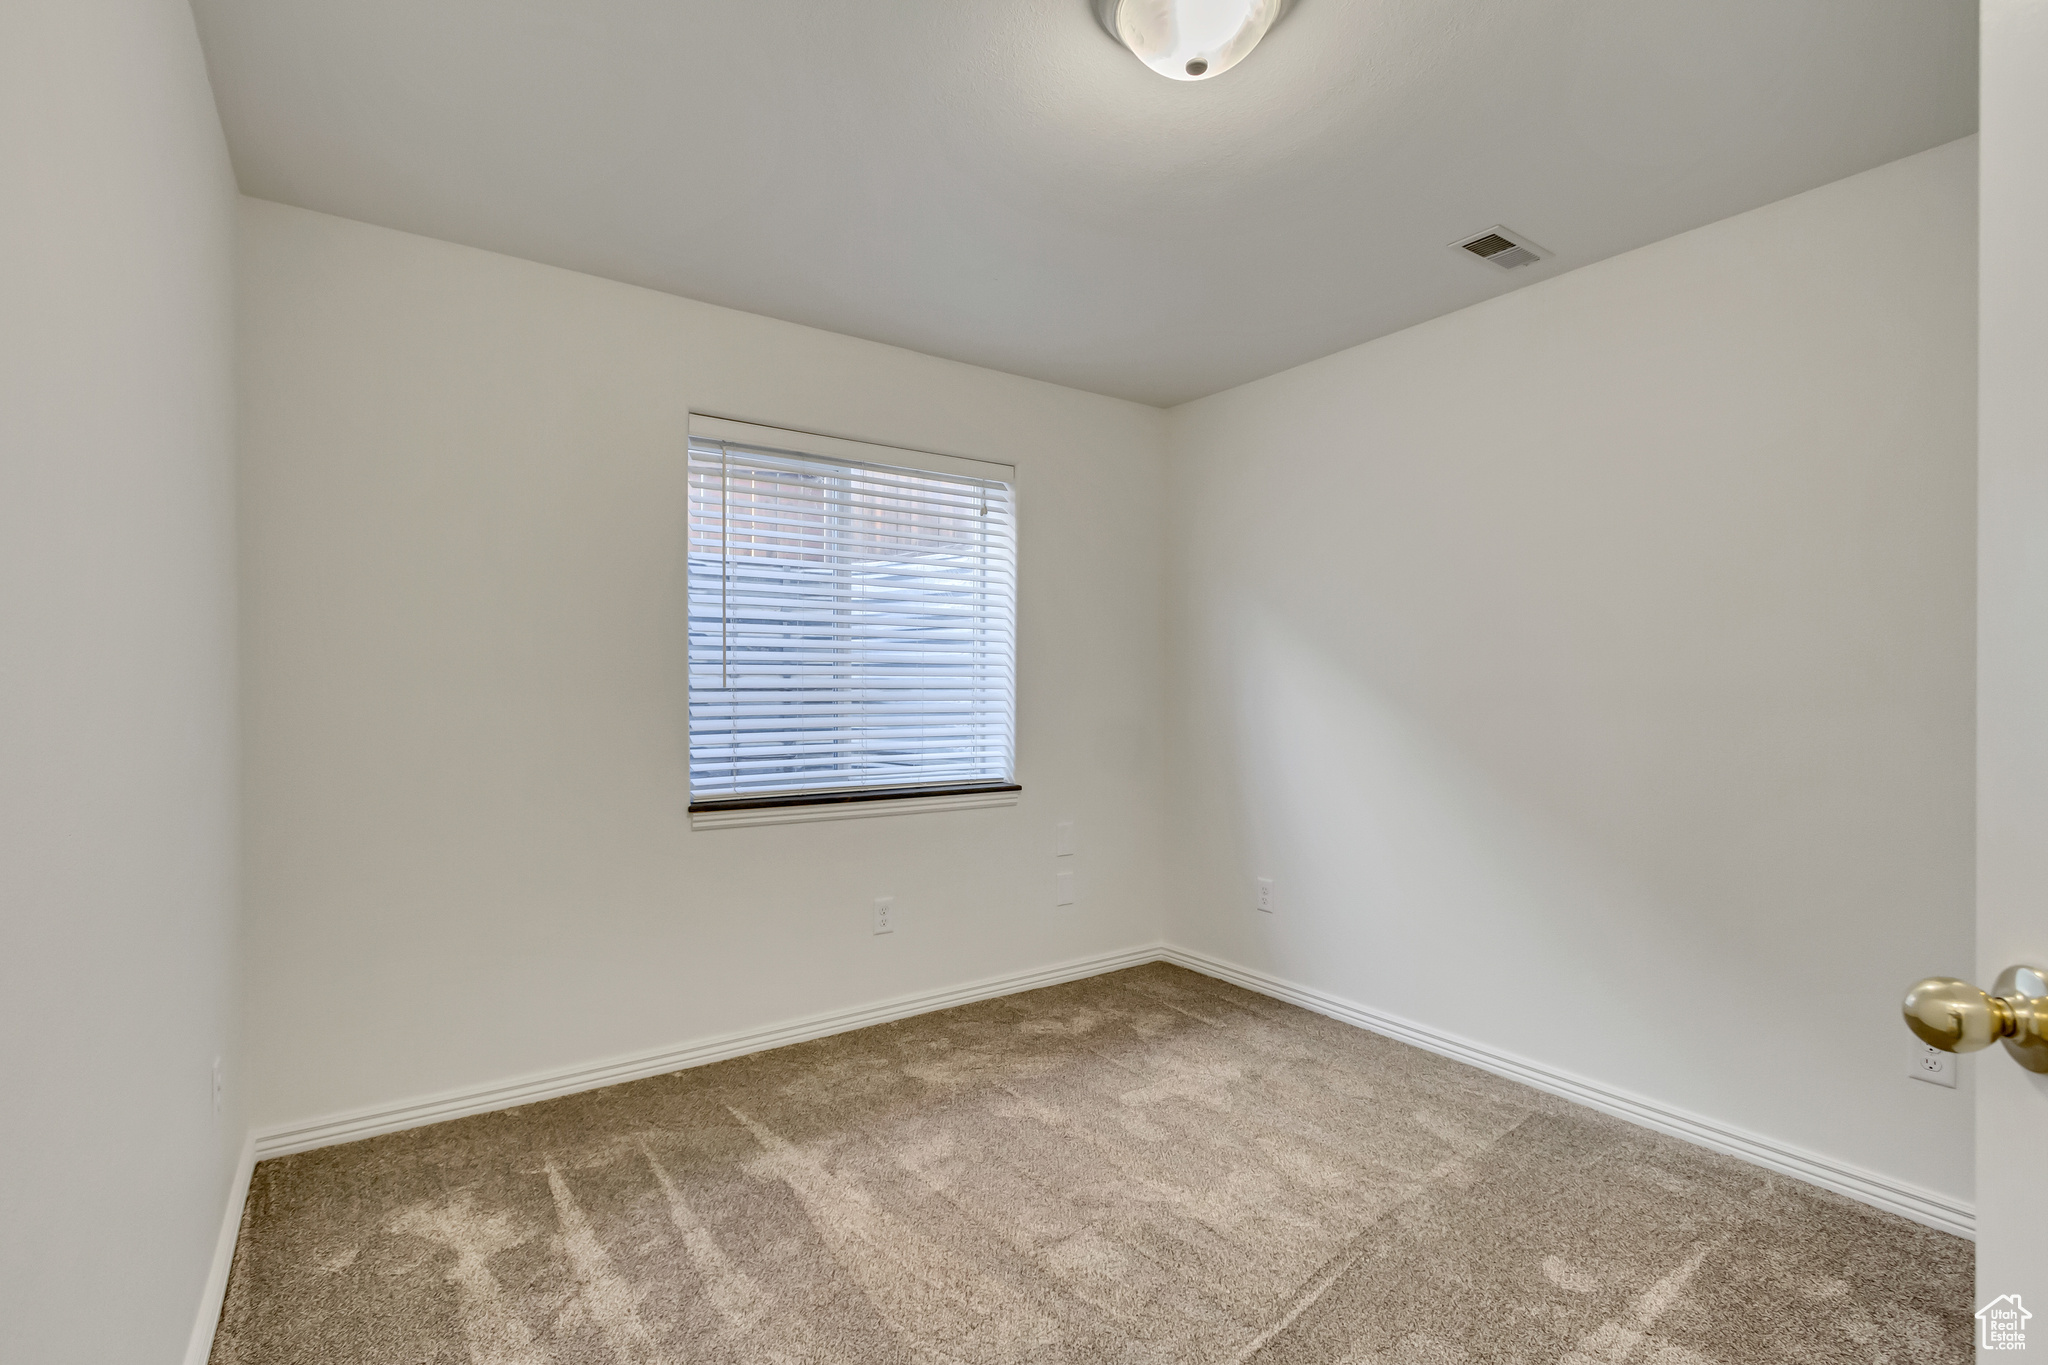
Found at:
<point>1189,40</point>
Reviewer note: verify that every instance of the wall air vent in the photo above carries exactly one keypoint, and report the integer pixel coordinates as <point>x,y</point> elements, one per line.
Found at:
<point>1502,247</point>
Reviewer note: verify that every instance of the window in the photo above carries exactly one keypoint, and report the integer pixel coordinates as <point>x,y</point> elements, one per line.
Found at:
<point>852,620</point>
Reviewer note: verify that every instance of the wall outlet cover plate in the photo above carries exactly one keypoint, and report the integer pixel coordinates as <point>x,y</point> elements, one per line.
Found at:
<point>1932,1065</point>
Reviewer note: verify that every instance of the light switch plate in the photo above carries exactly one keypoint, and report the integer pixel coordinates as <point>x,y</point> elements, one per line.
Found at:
<point>1063,889</point>
<point>1063,839</point>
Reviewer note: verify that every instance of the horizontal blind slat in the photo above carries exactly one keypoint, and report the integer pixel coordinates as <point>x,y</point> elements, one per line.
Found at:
<point>712,464</point>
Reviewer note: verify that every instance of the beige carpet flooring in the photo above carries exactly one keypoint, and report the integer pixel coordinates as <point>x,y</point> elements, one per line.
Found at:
<point>1149,1166</point>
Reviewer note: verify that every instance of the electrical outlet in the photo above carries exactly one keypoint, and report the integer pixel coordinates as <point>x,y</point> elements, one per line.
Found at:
<point>216,1087</point>
<point>885,914</point>
<point>1063,839</point>
<point>1266,895</point>
<point>1934,1066</point>
<point>1063,888</point>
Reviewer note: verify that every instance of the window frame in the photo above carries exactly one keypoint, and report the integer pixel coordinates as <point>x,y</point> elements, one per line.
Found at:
<point>847,802</point>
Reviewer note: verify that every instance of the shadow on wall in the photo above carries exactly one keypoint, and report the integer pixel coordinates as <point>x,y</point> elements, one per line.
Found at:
<point>1413,864</point>
<point>1588,890</point>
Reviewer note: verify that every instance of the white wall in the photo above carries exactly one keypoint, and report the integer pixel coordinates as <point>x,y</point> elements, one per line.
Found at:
<point>1592,668</point>
<point>468,853</point>
<point>117,672</point>
<point>2012,603</point>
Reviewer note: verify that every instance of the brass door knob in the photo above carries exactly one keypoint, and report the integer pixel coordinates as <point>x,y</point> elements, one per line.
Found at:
<point>1957,1017</point>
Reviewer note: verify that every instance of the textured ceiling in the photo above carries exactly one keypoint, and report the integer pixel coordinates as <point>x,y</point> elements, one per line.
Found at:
<point>997,181</point>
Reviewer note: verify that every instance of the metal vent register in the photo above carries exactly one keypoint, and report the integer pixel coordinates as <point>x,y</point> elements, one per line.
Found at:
<point>1502,247</point>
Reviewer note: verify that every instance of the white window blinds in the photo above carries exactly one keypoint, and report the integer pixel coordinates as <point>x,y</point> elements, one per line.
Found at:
<point>852,621</point>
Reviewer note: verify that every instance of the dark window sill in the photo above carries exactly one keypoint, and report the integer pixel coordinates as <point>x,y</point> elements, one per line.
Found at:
<point>843,798</point>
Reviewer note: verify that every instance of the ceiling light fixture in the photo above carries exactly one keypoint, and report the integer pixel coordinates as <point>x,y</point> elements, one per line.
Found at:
<point>1189,40</point>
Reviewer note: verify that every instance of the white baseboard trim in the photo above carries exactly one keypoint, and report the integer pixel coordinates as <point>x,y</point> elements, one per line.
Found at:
<point>1867,1187</point>
<point>454,1104</point>
<point>216,1291</point>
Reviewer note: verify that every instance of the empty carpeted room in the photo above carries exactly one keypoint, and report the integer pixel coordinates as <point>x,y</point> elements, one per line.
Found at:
<point>968,682</point>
